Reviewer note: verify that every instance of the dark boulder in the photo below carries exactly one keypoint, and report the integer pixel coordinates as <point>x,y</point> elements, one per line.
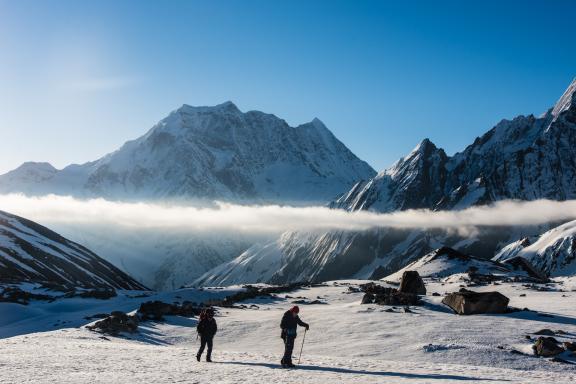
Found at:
<point>468,302</point>
<point>547,347</point>
<point>412,283</point>
<point>116,323</point>
<point>368,298</point>
<point>378,294</point>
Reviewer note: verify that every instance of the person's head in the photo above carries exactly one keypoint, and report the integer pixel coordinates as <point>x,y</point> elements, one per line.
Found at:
<point>294,310</point>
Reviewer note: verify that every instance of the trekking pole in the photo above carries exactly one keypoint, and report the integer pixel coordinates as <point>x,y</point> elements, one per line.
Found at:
<point>302,347</point>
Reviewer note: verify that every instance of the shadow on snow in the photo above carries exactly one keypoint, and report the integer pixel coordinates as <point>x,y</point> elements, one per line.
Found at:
<point>430,376</point>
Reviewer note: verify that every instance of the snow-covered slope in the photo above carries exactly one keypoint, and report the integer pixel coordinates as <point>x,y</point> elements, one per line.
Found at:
<point>525,158</point>
<point>553,252</point>
<point>209,153</point>
<point>31,253</point>
<point>347,342</point>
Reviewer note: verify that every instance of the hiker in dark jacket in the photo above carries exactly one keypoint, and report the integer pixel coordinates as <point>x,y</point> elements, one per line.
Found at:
<point>289,323</point>
<point>206,328</point>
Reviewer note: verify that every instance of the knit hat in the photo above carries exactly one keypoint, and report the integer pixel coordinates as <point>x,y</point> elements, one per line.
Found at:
<point>295,309</point>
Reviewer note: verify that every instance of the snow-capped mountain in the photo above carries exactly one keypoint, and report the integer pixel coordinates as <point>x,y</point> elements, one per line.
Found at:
<point>553,252</point>
<point>31,253</point>
<point>525,158</point>
<point>209,153</point>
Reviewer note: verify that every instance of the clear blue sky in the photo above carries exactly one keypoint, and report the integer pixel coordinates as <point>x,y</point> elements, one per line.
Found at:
<point>78,78</point>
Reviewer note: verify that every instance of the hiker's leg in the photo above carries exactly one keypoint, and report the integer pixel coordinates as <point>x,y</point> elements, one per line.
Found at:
<point>288,348</point>
<point>202,345</point>
<point>209,351</point>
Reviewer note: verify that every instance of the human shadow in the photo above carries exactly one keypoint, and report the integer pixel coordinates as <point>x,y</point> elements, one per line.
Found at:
<point>430,376</point>
<point>543,317</point>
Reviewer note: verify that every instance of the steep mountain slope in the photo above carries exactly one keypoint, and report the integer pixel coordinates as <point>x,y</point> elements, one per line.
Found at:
<point>31,253</point>
<point>525,158</point>
<point>210,153</point>
<point>554,252</point>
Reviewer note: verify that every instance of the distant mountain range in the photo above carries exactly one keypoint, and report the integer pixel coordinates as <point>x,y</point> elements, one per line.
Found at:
<point>209,153</point>
<point>525,158</point>
<point>31,253</point>
<point>201,154</point>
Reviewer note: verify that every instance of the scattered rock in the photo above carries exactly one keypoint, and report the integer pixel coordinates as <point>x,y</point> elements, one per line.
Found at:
<point>436,294</point>
<point>468,302</point>
<point>522,295</point>
<point>407,310</point>
<point>115,323</point>
<point>570,346</point>
<point>156,310</point>
<point>412,283</point>
<point>545,332</point>
<point>18,296</point>
<point>307,302</point>
<point>547,347</point>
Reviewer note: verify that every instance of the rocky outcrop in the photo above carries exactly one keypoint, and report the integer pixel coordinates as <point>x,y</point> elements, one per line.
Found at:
<point>377,294</point>
<point>156,310</point>
<point>547,347</point>
<point>412,283</point>
<point>468,302</point>
<point>116,323</point>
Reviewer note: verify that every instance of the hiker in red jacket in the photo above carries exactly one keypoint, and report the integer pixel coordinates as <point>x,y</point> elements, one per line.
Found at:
<point>206,328</point>
<point>289,323</point>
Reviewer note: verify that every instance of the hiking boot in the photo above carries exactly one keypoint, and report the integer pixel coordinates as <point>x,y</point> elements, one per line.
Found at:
<point>290,365</point>
<point>208,359</point>
<point>198,357</point>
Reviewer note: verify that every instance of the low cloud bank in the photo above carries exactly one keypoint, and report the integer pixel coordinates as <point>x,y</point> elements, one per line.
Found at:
<point>53,209</point>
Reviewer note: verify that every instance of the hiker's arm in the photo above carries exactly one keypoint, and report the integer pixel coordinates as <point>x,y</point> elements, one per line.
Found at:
<point>283,322</point>
<point>302,324</point>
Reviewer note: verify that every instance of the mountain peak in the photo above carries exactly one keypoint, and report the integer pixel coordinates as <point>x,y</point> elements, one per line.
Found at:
<point>567,100</point>
<point>227,106</point>
<point>423,147</point>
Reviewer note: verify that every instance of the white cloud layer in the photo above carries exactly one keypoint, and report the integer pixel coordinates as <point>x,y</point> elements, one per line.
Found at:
<point>273,218</point>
